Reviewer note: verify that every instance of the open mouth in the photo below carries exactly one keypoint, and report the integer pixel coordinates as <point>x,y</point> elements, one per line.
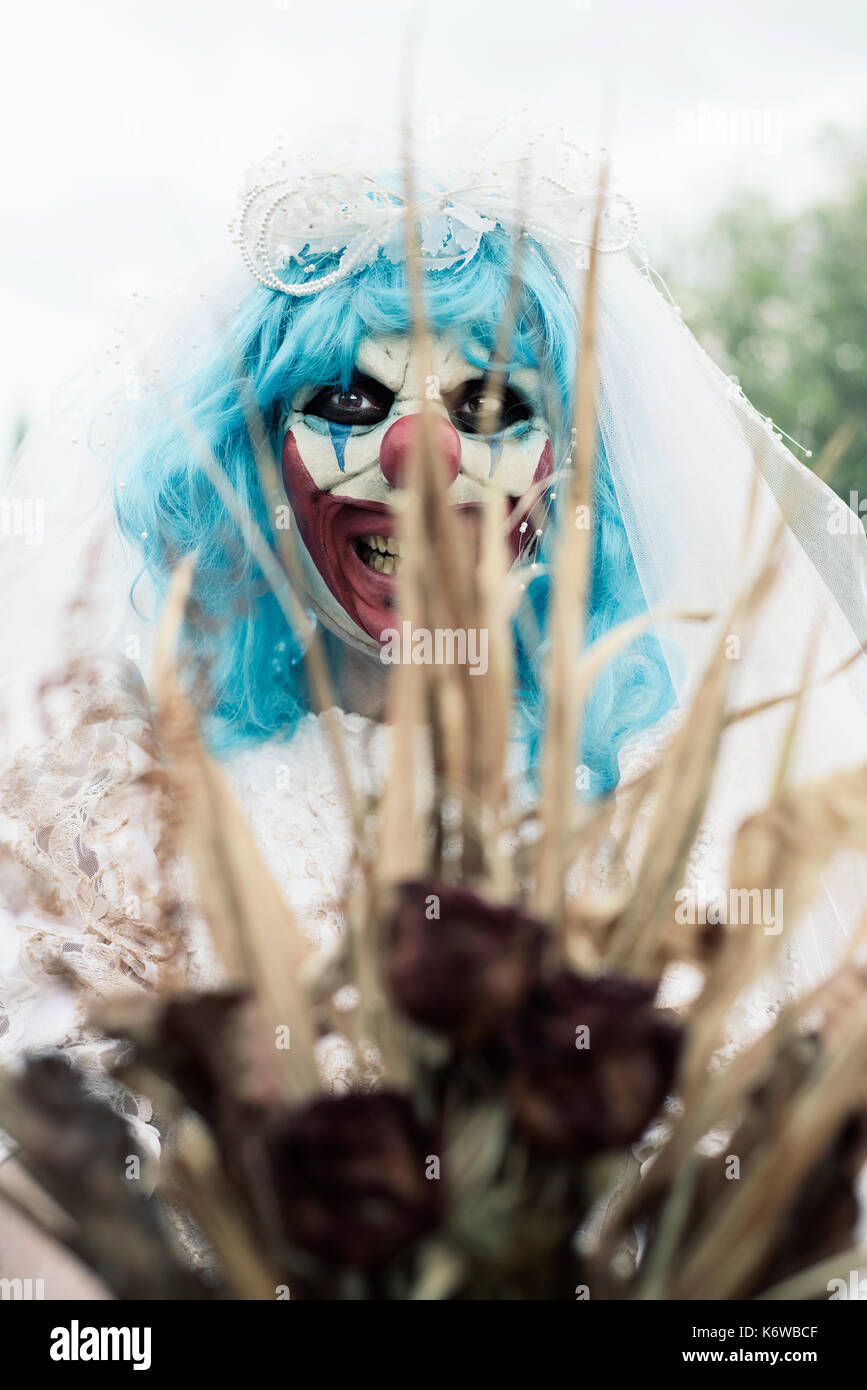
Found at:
<point>362,567</point>
<point>354,546</point>
<point>380,553</point>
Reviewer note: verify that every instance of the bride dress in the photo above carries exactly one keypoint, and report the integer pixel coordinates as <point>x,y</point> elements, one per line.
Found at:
<point>704,485</point>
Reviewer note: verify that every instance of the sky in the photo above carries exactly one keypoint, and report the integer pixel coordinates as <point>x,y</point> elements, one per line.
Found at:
<point>128,125</point>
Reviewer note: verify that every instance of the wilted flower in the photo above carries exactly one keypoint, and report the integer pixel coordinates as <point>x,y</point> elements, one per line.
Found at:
<point>215,1049</point>
<point>458,964</point>
<point>81,1152</point>
<point>350,1174</point>
<point>590,1062</point>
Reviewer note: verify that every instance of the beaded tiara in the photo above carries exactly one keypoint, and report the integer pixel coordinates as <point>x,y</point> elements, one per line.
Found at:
<point>300,228</point>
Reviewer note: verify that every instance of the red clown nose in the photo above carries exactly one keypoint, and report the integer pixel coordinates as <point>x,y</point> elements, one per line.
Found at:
<point>397,446</point>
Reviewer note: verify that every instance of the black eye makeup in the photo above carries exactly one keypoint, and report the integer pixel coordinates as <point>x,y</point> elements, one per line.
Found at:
<point>363,402</point>
<point>471,404</point>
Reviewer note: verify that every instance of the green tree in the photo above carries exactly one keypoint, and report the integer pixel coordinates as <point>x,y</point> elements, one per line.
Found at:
<point>780,301</point>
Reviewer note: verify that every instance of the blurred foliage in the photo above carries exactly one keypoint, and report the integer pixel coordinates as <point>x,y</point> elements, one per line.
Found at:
<point>780,301</point>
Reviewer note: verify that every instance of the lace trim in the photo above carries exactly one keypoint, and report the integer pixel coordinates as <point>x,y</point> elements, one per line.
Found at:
<point>94,893</point>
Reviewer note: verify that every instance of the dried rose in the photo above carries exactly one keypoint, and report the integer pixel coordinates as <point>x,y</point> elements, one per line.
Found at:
<point>350,1176</point>
<point>590,1062</point>
<point>215,1048</point>
<point>78,1149</point>
<point>455,963</point>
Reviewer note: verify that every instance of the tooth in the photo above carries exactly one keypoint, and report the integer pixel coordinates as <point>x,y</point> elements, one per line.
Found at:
<point>393,546</point>
<point>389,564</point>
<point>382,544</point>
<point>378,562</point>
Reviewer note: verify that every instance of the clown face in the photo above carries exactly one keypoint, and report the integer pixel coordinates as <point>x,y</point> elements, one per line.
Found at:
<point>345,455</point>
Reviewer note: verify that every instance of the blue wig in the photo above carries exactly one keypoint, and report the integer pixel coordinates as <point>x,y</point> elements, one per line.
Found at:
<point>237,637</point>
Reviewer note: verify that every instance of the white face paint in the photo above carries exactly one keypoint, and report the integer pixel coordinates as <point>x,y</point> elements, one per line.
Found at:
<point>344,459</point>
<point>341,448</point>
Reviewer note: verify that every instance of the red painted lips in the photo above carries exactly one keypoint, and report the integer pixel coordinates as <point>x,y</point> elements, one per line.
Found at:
<point>331,527</point>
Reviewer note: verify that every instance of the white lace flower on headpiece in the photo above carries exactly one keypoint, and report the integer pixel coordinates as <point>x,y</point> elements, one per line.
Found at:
<point>292,223</point>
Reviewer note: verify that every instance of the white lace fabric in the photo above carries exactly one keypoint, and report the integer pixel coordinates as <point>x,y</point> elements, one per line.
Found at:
<point>293,800</point>
<point>93,900</point>
<point>96,900</point>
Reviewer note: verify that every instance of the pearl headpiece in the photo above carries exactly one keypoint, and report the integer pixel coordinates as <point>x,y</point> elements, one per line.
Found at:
<point>294,217</point>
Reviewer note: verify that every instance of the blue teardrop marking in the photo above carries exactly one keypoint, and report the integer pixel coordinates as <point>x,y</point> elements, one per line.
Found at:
<point>495,444</point>
<point>339,435</point>
<point>495,441</point>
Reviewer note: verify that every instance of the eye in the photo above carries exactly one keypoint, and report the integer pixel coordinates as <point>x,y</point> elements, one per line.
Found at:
<point>363,402</point>
<point>470,407</point>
